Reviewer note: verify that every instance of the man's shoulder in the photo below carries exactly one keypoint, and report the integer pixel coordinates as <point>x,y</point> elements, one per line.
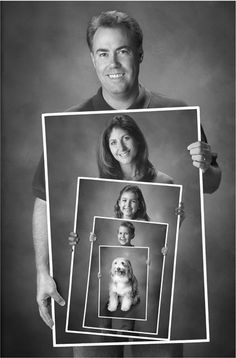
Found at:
<point>95,103</point>
<point>158,100</point>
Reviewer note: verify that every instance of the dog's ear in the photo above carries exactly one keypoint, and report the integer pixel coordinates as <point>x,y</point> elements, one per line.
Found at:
<point>130,270</point>
<point>111,270</point>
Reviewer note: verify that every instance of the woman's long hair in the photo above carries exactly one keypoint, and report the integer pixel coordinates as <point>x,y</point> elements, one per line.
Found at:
<point>108,166</point>
<point>142,210</point>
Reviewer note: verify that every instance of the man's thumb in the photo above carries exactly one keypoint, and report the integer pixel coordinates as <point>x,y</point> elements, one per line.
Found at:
<point>58,299</point>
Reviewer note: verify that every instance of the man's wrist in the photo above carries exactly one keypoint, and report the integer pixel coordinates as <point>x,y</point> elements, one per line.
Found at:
<point>42,270</point>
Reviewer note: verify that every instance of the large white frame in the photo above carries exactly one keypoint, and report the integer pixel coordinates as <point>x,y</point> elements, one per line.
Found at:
<point>204,265</point>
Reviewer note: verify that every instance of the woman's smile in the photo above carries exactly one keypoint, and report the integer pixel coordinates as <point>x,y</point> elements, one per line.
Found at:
<point>122,146</point>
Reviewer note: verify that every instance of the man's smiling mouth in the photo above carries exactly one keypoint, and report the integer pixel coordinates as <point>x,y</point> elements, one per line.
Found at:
<point>115,76</point>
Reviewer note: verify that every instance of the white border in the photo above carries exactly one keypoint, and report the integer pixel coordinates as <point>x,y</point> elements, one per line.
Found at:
<point>197,108</point>
<point>187,108</point>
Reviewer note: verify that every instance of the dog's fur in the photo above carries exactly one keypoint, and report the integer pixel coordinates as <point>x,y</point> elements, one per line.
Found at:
<point>123,285</point>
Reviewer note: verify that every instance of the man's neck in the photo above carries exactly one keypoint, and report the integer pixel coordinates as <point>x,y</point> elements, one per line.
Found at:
<point>120,101</point>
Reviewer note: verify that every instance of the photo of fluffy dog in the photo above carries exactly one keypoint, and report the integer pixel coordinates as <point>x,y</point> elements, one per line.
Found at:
<point>123,286</point>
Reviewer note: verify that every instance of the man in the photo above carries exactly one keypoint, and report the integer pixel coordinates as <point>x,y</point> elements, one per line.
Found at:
<point>115,43</point>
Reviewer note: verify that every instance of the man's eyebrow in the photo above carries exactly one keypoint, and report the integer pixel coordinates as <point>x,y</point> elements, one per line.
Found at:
<point>102,50</point>
<point>125,46</point>
<point>117,49</point>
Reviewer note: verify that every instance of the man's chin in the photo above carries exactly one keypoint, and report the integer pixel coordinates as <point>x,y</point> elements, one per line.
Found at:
<point>121,90</point>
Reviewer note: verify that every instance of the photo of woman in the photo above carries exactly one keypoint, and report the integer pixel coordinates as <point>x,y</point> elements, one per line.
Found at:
<point>123,153</point>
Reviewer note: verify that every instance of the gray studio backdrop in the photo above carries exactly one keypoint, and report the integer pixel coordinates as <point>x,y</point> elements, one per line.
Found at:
<point>189,54</point>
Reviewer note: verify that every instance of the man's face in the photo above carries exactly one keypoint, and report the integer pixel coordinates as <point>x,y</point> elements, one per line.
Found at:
<point>116,60</point>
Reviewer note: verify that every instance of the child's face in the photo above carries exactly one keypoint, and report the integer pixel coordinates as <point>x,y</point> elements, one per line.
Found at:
<point>128,205</point>
<point>124,236</point>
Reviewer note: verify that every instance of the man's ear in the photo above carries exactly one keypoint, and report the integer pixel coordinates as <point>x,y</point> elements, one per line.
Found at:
<point>141,57</point>
<point>92,58</point>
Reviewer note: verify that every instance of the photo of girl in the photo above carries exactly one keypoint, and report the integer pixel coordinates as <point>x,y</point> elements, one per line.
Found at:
<point>123,153</point>
<point>131,204</point>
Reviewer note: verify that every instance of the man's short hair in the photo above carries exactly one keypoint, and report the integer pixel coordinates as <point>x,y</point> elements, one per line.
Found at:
<point>112,19</point>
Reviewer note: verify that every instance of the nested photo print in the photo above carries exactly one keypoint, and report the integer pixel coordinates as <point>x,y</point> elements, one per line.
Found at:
<point>94,146</point>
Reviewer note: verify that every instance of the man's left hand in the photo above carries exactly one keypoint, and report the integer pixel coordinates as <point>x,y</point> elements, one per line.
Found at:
<point>201,155</point>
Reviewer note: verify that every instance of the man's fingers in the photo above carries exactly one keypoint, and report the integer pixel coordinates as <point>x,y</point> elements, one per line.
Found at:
<point>202,145</point>
<point>200,166</point>
<point>200,151</point>
<point>58,299</point>
<point>44,313</point>
<point>200,159</point>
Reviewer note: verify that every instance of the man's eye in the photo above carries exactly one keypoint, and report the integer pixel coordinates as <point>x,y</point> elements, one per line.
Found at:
<point>103,54</point>
<point>123,51</point>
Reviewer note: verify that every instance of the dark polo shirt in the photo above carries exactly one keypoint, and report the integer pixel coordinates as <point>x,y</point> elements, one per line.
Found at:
<point>145,99</point>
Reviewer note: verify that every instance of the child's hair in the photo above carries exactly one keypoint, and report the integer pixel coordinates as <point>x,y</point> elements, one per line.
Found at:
<point>129,226</point>
<point>141,212</point>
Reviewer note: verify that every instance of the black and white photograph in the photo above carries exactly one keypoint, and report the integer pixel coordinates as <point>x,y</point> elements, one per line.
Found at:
<point>117,93</point>
<point>105,146</point>
<point>147,219</point>
<point>126,291</point>
<point>145,246</point>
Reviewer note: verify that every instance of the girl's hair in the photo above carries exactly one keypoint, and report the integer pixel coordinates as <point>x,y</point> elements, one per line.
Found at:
<point>129,226</point>
<point>141,212</point>
<point>108,166</point>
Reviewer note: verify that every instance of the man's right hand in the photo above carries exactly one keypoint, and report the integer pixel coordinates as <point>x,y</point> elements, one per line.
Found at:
<point>46,289</point>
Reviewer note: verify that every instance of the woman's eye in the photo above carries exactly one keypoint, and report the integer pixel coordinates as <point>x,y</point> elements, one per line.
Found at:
<point>127,137</point>
<point>112,142</point>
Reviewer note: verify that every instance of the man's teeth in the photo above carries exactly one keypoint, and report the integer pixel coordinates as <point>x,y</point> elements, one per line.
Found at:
<point>116,75</point>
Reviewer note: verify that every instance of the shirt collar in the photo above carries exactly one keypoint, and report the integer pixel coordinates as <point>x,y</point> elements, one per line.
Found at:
<point>142,101</point>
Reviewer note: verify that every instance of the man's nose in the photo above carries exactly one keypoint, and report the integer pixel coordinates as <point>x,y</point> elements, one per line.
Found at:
<point>114,61</point>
